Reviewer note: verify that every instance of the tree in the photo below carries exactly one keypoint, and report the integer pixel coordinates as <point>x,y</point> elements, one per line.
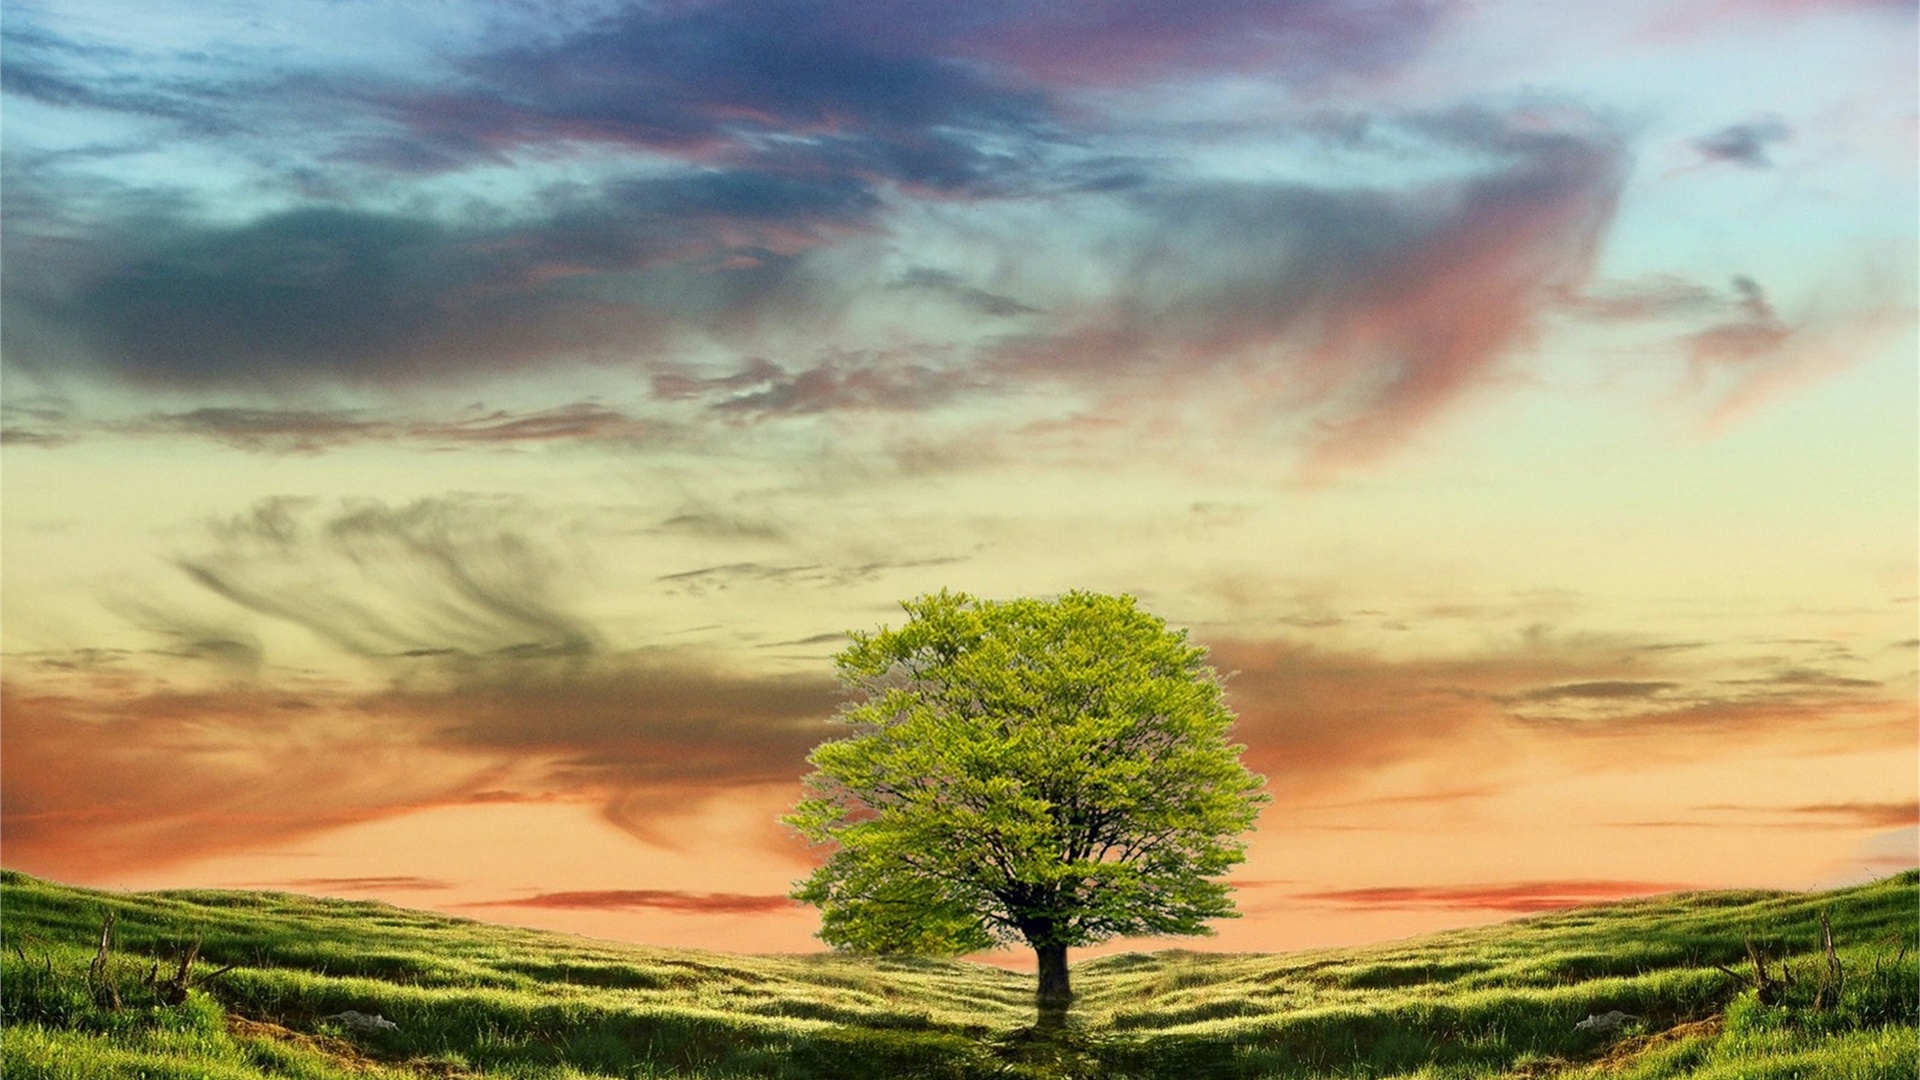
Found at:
<point>1053,773</point>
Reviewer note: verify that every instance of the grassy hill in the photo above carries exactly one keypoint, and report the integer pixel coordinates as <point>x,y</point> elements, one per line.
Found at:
<point>472,999</point>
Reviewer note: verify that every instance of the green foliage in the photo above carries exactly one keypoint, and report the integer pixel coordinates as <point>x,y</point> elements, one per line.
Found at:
<point>1049,772</point>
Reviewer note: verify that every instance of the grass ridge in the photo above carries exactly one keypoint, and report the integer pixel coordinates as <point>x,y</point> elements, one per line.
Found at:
<point>477,1000</point>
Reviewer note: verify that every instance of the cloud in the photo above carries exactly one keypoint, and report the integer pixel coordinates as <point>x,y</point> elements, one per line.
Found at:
<point>399,883</point>
<point>19,436</point>
<point>1521,896</point>
<point>853,382</point>
<point>799,86</point>
<point>1711,18</point>
<point>1876,815</point>
<point>928,96</point>
<point>714,525</point>
<point>444,577</point>
<point>721,578</point>
<point>777,139</point>
<point>32,420</point>
<point>234,649</point>
<point>1744,144</point>
<point>106,769</point>
<point>54,69</point>
<point>1739,350</point>
<point>308,431</point>
<point>784,158</point>
<point>1837,815</point>
<point>97,781</point>
<point>675,900</point>
<point>1755,331</point>
<point>1653,297</point>
<point>1317,721</point>
<point>971,297</point>
<point>1608,689</point>
<point>319,296</point>
<point>1356,314</point>
<point>1304,42</point>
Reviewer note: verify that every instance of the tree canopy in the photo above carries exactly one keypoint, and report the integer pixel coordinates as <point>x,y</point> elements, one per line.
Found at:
<point>1043,772</point>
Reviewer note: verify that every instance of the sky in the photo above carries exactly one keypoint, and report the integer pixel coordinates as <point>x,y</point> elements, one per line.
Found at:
<point>445,441</point>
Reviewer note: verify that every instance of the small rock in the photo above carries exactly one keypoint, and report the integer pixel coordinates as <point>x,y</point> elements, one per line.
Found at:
<point>1606,1021</point>
<point>360,1021</point>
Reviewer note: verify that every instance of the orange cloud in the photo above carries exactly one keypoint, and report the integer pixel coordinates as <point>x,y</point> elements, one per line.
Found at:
<point>388,883</point>
<point>1522,896</point>
<point>110,773</point>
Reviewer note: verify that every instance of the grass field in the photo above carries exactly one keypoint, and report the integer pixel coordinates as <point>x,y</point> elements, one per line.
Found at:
<point>472,999</point>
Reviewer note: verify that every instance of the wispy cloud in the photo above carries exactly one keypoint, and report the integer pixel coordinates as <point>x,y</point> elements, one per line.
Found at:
<point>675,900</point>
<point>708,579</point>
<point>1834,815</point>
<point>1520,896</point>
<point>311,431</point>
<point>443,577</point>
<point>152,776</point>
<point>390,883</point>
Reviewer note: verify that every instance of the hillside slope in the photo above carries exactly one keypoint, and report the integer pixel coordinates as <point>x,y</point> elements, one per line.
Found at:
<point>472,999</point>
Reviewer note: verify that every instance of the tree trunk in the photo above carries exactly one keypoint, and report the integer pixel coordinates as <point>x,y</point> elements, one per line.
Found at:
<point>1055,994</point>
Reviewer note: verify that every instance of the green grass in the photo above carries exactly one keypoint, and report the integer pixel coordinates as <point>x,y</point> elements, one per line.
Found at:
<point>472,999</point>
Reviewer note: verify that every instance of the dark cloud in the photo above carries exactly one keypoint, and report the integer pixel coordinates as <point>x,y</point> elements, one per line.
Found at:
<point>676,900</point>
<point>1661,296</point>
<point>324,295</point>
<point>58,70</point>
<point>1809,677</point>
<point>804,85</point>
<point>1608,689</point>
<point>304,431</point>
<point>1522,896</point>
<point>21,436</point>
<point>30,420</point>
<point>1744,144</point>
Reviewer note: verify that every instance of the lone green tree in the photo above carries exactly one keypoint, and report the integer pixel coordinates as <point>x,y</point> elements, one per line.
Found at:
<point>1048,773</point>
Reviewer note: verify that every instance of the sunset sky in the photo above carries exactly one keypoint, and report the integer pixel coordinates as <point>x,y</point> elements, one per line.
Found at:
<point>445,441</point>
